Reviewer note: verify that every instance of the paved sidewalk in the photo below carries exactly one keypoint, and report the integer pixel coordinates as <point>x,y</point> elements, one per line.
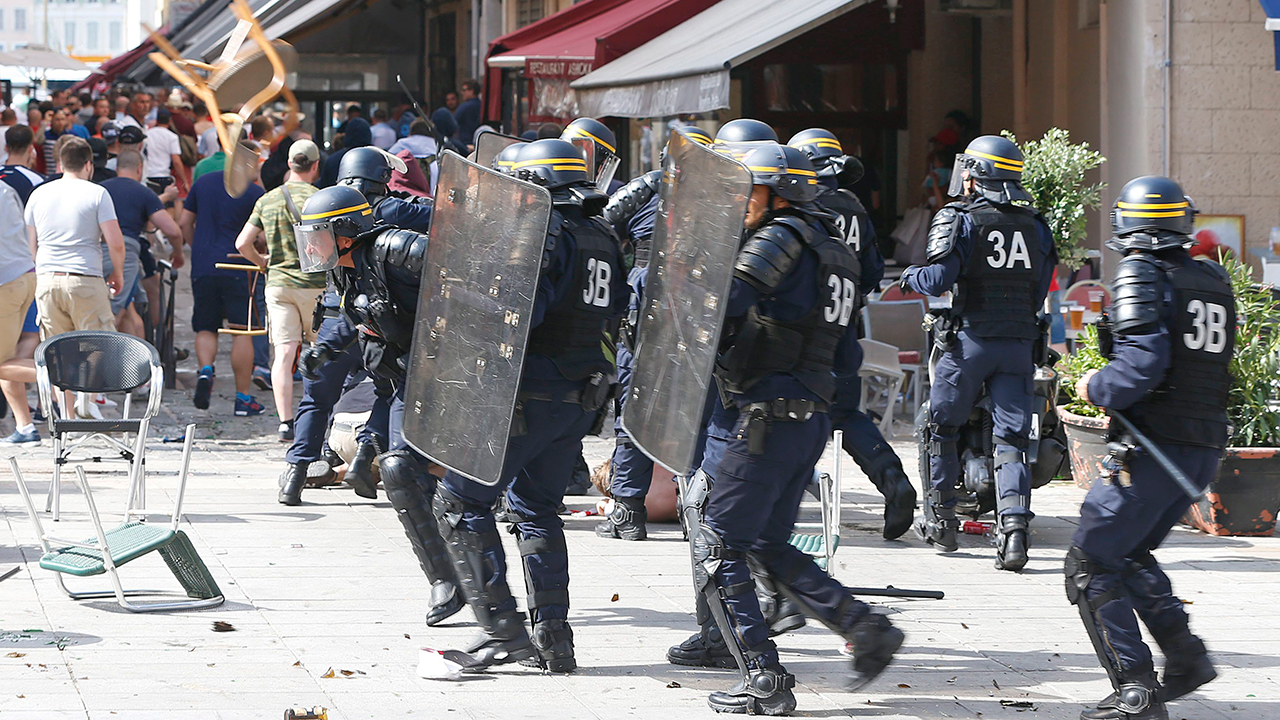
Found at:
<point>326,602</point>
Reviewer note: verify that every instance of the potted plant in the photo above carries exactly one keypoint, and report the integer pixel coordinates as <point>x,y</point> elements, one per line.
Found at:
<point>1085,425</point>
<point>1054,170</point>
<point>1245,498</point>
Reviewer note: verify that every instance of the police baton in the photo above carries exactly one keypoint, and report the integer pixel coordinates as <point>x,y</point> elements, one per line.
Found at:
<point>435,133</point>
<point>892,591</point>
<point>1158,455</point>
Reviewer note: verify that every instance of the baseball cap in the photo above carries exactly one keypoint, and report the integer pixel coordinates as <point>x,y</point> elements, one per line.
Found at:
<point>303,152</point>
<point>110,132</point>
<point>99,147</point>
<point>131,135</point>
<point>163,114</point>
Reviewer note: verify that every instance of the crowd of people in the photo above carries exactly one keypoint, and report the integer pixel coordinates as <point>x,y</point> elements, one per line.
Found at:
<point>342,241</point>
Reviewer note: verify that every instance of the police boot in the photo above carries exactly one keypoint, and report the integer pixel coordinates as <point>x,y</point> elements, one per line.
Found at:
<point>291,482</point>
<point>765,691</point>
<point>939,525</point>
<point>1187,665</point>
<point>705,648</point>
<point>410,490</point>
<point>1012,542</point>
<point>874,640</point>
<point>899,500</point>
<point>1137,699</point>
<point>360,471</point>
<point>626,520</point>
<point>553,640</point>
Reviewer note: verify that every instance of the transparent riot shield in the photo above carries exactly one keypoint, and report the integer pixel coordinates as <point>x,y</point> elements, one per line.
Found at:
<point>489,144</point>
<point>478,285</point>
<point>702,206</point>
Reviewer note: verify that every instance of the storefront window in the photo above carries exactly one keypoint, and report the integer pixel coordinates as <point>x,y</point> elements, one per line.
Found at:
<point>846,87</point>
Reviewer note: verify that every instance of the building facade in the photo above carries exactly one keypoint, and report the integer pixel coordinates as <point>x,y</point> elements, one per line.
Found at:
<point>91,30</point>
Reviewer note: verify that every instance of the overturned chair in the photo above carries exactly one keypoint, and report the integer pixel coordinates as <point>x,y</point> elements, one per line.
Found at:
<point>108,550</point>
<point>822,545</point>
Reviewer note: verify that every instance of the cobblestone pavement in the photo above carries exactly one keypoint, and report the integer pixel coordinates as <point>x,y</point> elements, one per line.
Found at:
<point>326,602</point>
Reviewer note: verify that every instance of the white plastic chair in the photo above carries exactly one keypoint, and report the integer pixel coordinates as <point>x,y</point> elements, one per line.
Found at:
<point>881,375</point>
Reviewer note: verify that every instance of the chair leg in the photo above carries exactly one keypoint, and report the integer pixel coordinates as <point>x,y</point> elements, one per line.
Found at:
<point>886,422</point>
<point>55,489</point>
<point>138,472</point>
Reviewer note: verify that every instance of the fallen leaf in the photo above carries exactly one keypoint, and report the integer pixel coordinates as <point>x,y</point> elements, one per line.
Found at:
<point>904,686</point>
<point>406,636</point>
<point>673,683</point>
<point>22,696</point>
<point>614,598</point>
<point>346,673</point>
<point>298,664</point>
<point>966,627</point>
<point>16,655</point>
<point>327,675</point>
<point>222,626</point>
<point>993,682</point>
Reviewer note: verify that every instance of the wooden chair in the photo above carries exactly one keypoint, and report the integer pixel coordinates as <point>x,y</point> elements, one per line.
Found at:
<point>255,273</point>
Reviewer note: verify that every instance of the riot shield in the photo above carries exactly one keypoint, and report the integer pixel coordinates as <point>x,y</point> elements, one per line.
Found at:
<point>478,286</point>
<point>703,202</point>
<point>489,144</point>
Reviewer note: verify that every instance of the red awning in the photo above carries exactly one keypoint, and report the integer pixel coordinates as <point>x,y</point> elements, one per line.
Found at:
<point>584,36</point>
<point>109,70</point>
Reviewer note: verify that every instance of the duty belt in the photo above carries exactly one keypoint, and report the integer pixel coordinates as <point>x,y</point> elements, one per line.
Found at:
<point>757,416</point>
<point>786,409</point>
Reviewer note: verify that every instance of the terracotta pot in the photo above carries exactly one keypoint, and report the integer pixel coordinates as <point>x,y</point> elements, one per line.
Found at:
<point>1086,445</point>
<point>1245,497</point>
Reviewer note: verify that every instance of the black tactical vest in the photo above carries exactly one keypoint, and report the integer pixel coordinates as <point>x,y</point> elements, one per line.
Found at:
<point>804,348</point>
<point>851,217</point>
<point>579,334</point>
<point>996,292</point>
<point>1190,405</point>
<point>384,315</point>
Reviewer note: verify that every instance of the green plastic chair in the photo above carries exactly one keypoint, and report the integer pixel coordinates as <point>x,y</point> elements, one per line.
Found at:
<point>132,539</point>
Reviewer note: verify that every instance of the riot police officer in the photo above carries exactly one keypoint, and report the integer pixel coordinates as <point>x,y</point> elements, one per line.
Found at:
<point>998,253</point>
<point>605,151</point>
<point>567,371</point>
<point>1173,320</point>
<point>377,269</point>
<point>787,333</point>
<point>631,212</point>
<point>862,437</point>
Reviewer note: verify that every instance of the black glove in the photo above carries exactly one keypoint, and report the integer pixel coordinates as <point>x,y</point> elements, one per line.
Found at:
<point>313,358</point>
<point>903,284</point>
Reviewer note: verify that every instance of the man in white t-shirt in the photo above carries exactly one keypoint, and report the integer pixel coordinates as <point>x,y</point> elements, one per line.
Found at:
<point>64,219</point>
<point>164,156</point>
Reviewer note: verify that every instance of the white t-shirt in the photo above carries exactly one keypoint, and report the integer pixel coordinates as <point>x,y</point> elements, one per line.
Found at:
<point>66,214</point>
<point>126,119</point>
<point>15,251</point>
<point>384,136</point>
<point>161,144</point>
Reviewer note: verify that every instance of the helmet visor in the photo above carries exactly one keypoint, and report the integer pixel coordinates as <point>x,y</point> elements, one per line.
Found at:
<point>604,175</point>
<point>317,247</point>
<point>956,189</point>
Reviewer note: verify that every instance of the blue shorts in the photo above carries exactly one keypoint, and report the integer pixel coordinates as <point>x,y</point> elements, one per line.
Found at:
<point>217,298</point>
<point>30,325</point>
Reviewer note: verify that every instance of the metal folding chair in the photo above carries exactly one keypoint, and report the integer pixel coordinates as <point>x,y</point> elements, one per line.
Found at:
<point>882,375</point>
<point>98,362</point>
<point>132,539</point>
<point>822,545</point>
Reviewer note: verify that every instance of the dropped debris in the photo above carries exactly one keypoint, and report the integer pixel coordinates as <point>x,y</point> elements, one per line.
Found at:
<point>1018,705</point>
<point>904,686</point>
<point>16,655</point>
<point>614,598</point>
<point>222,626</point>
<point>673,684</point>
<point>327,675</point>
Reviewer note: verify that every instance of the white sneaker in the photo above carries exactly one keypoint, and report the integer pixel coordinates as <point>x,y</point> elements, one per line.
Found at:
<point>86,408</point>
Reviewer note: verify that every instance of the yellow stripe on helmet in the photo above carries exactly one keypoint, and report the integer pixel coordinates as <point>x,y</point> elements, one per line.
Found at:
<point>697,135</point>
<point>1146,214</point>
<point>1153,206</point>
<point>343,211</point>
<point>579,132</point>
<point>561,163</point>
<point>997,159</point>
<point>820,142</point>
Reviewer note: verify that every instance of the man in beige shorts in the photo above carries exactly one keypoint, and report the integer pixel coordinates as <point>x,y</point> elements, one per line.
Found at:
<point>291,293</point>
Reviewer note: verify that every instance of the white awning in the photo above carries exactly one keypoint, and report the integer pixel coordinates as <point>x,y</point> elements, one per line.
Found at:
<point>686,69</point>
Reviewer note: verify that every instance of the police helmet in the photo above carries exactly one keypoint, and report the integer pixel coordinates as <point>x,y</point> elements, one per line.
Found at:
<point>1151,213</point>
<point>551,163</point>
<point>784,170</point>
<point>697,134</point>
<point>337,211</point>
<point>506,157</point>
<point>595,131</point>
<point>368,170</point>
<point>818,144</point>
<point>995,163</point>
<point>738,137</point>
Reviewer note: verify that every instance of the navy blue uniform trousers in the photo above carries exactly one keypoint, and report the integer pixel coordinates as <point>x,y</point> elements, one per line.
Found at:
<point>752,506</point>
<point>1006,368</point>
<point>311,423</point>
<point>536,471</point>
<point>1119,527</point>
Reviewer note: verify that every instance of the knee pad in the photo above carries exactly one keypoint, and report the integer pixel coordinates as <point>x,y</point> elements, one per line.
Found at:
<point>1009,454</point>
<point>399,469</point>
<point>942,439</point>
<point>1019,443</point>
<point>1079,571</point>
